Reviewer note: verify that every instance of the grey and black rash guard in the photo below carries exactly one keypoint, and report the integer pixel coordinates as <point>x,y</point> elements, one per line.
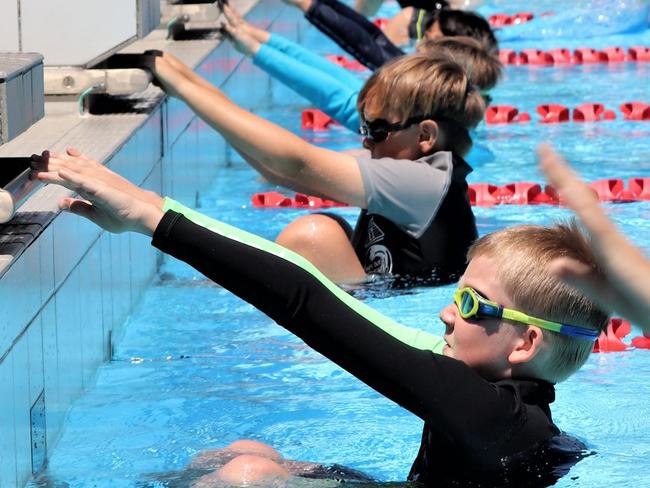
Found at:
<point>418,221</point>
<point>473,427</point>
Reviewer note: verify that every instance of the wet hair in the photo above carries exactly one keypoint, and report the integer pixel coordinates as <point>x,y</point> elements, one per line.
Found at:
<point>482,68</point>
<point>468,24</point>
<point>421,85</point>
<point>524,253</point>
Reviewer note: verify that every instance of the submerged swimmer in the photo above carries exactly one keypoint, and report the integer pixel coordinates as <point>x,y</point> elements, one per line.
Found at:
<point>247,462</point>
<point>512,330</point>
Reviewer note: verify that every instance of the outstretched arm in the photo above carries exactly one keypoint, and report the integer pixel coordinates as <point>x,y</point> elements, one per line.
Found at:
<point>329,87</point>
<point>625,288</point>
<point>290,160</point>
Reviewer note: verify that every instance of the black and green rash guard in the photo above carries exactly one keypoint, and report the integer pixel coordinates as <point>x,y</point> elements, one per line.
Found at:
<point>471,426</point>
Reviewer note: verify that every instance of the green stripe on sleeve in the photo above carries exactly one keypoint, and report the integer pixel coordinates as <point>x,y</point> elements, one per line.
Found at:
<point>415,338</point>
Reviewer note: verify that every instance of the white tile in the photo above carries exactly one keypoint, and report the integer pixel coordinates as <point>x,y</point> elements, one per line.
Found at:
<point>193,159</point>
<point>153,135</point>
<point>154,180</point>
<point>67,252</point>
<point>14,305</point>
<point>107,291</point>
<point>91,314</point>
<point>179,116</point>
<point>20,357</point>
<point>121,293</point>
<point>46,248</point>
<point>32,278</point>
<point>9,26</point>
<point>71,237</point>
<point>35,344</point>
<point>68,323</point>
<point>168,174</point>
<point>7,425</point>
<point>53,409</point>
<point>145,255</point>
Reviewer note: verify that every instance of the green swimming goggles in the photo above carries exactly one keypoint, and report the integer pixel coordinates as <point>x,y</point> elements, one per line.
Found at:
<point>471,304</point>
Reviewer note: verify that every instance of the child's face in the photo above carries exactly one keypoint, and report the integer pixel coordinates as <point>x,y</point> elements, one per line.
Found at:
<point>398,144</point>
<point>480,343</point>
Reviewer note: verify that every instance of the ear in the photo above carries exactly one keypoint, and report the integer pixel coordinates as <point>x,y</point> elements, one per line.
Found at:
<point>428,136</point>
<point>527,345</point>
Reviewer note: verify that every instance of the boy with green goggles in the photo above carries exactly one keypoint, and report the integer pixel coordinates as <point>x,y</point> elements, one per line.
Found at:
<point>508,370</point>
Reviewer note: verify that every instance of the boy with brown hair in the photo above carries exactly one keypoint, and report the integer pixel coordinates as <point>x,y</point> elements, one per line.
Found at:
<point>416,220</point>
<point>483,390</point>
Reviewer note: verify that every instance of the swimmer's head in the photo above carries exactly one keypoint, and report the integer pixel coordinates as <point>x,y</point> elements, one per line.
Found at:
<point>434,89</point>
<point>523,254</point>
<point>482,68</point>
<point>451,22</point>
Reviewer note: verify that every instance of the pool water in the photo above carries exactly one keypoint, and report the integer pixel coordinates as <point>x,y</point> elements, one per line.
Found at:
<point>198,368</point>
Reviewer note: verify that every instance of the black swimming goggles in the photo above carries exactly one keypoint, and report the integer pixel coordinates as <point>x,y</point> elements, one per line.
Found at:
<point>377,130</point>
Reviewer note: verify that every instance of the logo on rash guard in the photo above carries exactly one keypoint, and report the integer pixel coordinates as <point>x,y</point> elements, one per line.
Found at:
<point>375,234</point>
<point>378,260</point>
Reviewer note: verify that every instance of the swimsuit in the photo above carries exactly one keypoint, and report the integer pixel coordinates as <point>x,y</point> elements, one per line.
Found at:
<point>419,221</point>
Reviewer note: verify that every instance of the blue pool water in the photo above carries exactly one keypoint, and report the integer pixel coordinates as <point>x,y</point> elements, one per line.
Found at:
<point>197,368</point>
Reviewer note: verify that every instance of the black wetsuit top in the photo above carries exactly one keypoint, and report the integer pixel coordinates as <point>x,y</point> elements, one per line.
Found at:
<point>474,429</point>
<point>353,32</point>
<point>438,256</point>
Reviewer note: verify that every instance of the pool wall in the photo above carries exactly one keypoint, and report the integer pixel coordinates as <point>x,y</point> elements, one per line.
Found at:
<point>66,288</point>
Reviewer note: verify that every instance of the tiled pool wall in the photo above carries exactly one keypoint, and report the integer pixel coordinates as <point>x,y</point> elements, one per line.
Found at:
<point>64,300</point>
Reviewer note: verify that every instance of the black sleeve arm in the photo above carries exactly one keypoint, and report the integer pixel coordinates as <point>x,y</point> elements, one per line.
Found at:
<point>443,391</point>
<point>353,32</point>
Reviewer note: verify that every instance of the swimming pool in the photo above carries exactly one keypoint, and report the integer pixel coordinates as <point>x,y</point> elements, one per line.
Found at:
<point>198,368</point>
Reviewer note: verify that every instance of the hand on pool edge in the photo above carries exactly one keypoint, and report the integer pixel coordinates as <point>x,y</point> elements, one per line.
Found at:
<point>627,270</point>
<point>109,204</point>
<point>238,32</point>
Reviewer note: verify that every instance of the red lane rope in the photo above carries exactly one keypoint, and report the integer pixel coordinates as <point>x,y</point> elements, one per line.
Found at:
<point>504,20</point>
<point>611,339</point>
<point>552,113</point>
<point>583,55</point>
<point>555,113</point>
<point>345,62</point>
<point>487,195</point>
<point>496,20</point>
<point>314,119</point>
<point>274,199</point>
<point>529,193</point>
